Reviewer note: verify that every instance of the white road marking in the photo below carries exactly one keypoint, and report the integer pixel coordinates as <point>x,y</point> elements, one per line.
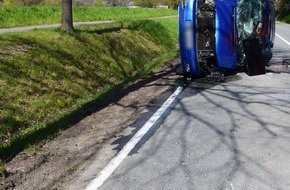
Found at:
<point>231,185</point>
<point>109,169</point>
<point>283,39</point>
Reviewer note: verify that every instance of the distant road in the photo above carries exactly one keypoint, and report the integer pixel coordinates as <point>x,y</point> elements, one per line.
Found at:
<point>25,28</point>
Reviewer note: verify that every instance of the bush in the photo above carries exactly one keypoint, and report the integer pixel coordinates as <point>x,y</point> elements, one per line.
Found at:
<point>99,3</point>
<point>52,2</point>
<point>287,19</point>
<point>22,2</point>
<point>283,8</point>
<point>83,2</point>
<point>147,3</point>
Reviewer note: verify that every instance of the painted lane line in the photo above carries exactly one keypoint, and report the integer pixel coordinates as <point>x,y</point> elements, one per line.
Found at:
<point>283,39</point>
<point>110,168</point>
<point>231,185</point>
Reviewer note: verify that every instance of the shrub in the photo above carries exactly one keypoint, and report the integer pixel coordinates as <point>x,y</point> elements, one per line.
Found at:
<point>99,3</point>
<point>22,2</point>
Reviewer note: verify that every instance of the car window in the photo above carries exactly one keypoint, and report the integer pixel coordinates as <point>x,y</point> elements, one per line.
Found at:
<point>249,16</point>
<point>249,22</point>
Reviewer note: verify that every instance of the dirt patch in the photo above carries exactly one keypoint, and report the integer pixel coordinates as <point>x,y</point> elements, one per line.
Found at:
<point>55,161</point>
<point>13,50</point>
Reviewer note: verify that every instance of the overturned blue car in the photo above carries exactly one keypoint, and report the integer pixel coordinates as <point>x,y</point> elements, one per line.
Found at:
<point>225,36</point>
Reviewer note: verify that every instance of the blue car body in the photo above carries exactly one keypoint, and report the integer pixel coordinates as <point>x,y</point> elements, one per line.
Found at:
<point>209,34</point>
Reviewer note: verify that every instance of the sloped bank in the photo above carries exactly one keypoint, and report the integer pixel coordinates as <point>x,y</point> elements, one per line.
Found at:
<point>285,19</point>
<point>47,76</point>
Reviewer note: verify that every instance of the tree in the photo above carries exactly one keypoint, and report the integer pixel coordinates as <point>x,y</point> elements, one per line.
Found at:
<point>283,7</point>
<point>66,18</point>
<point>173,4</point>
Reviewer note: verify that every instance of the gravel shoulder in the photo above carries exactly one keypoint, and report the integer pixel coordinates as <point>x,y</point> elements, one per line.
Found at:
<point>55,163</point>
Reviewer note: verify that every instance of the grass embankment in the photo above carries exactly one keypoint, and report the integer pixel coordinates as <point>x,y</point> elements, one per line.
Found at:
<point>47,75</point>
<point>283,14</point>
<point>285,19</point>
<point>37,15</point>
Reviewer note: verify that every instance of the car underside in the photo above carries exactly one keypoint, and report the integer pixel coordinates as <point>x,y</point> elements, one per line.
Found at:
<point>221,35</point>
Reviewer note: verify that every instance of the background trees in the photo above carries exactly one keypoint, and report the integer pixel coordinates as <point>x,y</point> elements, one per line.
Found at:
<point>283,8</point>
<point>146,3</point>
<point>173,4</point>
<point>117,3</point>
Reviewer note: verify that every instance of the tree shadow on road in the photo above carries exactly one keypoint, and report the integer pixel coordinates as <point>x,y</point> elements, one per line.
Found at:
<point>231,119</point>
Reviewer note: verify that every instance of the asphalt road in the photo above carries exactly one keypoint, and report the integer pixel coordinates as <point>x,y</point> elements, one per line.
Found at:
<point>218,136</point>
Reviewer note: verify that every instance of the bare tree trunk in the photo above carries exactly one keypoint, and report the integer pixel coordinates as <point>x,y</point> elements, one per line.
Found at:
<point>66,19</point>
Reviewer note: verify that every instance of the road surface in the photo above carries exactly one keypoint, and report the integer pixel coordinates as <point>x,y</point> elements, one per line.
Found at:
<point>225,136</point>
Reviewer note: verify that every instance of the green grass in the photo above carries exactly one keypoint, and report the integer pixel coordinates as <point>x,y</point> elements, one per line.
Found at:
<point>47,76</point>
<point>37,15</point>
<point>286,19</point>
<point>2,166</point>
<point>70,170</point>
